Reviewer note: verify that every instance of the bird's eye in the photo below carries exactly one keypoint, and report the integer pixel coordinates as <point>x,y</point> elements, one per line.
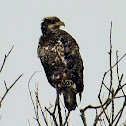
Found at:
<point>52,21</point>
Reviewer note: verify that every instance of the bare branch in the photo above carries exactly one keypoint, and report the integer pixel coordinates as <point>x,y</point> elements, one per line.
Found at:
<point>117,59</point>
<point>83,117</point>
<point>36,94</point>
<point>59,110</point>
<point>121,111</point>
<point>5,85</point>
<point>30,92</point>
<point>113,108</point>
<point>43,113</point>
<point>52,114</point>
<point>8,89</point>
<point>106,113</point>
<point>66,118</point>
<point>117,62</point>
<point>110,53</point>
<point>6,56</point>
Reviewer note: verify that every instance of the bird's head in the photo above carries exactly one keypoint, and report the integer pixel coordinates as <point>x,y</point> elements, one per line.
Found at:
<point>51,24</point>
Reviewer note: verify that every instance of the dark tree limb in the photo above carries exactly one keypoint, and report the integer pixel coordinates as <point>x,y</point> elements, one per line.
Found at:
<point>59,110</point>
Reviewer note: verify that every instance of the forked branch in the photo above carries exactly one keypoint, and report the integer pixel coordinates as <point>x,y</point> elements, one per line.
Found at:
<point>5,84</point>
<point>56,115</point>
<point>102,111</point>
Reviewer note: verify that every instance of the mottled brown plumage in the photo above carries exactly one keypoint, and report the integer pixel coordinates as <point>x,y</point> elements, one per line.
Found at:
<point>62,62</point>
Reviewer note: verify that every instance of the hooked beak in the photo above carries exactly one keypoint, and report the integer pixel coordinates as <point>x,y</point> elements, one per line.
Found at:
<point>60,23</point>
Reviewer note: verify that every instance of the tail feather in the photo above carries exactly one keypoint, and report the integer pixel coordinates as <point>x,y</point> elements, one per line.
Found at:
<point>70,100</point>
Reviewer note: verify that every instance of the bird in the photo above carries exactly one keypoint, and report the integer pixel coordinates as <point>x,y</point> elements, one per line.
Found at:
<point>59,54</point>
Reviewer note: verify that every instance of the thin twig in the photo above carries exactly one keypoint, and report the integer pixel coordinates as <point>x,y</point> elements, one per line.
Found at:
<point>83,117</point>
<point>102,84</point>
<point>5,58</point>
<point>121,111</point>
<point>117,62</point>
<point>96,107</point>
<point>8,89</point>
<point>37,121</point>
<point>110,53</point>
<point>30,92</point>
<point>42,113</point>
<point>113,108</point>
<point>106,115</point>
<point>54,118</point>
<point>35,106</point>
<point>119,86</point>
<point>66,118</point>
<point>5,85</point>
<point>117,59</point>
<point>107,72</point>
<point>112,95</point>
<point>37,111</point>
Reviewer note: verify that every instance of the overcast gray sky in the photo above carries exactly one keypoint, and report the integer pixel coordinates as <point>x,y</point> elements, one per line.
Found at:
<point>88,21</point>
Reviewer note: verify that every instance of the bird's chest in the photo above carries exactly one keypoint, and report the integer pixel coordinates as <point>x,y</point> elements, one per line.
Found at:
<point>52,52</point>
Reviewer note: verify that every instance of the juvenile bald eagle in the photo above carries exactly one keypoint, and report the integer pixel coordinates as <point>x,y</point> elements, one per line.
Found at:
<point>62,62</point>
